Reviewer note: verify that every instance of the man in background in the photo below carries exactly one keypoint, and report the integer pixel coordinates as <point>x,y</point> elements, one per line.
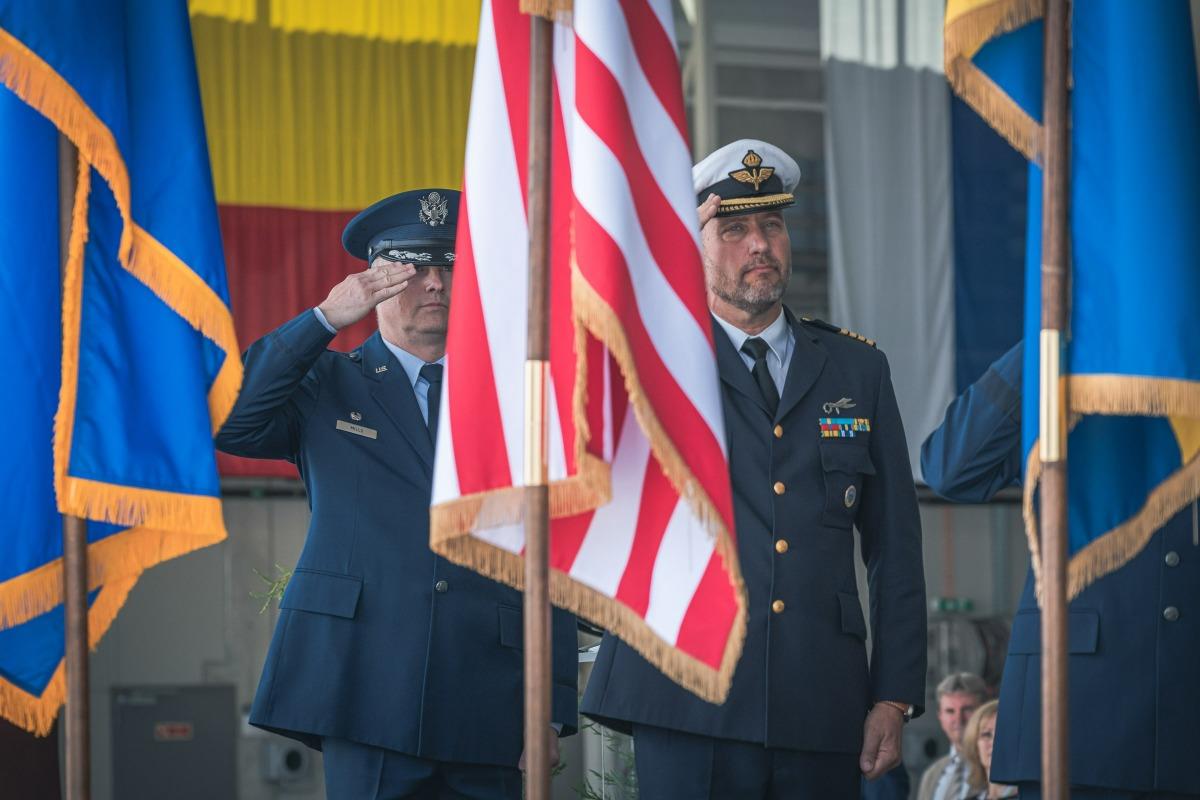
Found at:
<point>958,696</point>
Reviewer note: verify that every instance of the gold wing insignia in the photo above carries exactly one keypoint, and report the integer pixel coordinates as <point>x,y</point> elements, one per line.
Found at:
<point>754,176</point>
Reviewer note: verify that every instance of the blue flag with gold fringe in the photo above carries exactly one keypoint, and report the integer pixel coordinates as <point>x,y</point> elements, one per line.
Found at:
<point>119,370</point>
<point>1132,358</point>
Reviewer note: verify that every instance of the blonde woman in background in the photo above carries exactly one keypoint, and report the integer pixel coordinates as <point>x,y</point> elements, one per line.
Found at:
<point>977,751</point>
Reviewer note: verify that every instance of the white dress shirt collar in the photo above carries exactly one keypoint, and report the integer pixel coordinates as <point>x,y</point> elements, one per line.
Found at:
<point>412,364</point>
<point>777,335</point>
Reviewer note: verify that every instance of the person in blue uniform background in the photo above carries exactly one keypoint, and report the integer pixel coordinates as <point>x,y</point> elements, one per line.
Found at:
<point>1134,634</point>
<point>815,447</point>
<point>404,669</point>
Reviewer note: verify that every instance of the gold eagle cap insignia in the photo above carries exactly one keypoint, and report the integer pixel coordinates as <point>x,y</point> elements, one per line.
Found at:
<point>434,209</point>
<point>753,173</point>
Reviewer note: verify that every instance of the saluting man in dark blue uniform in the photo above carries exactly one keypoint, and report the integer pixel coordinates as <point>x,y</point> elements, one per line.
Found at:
<point>815,447</point>
<point>1133,635</point>
<point>405,669</point>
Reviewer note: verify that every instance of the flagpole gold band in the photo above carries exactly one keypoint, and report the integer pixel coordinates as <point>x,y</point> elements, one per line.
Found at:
<point>536,373</point>
<point>1050,402</point>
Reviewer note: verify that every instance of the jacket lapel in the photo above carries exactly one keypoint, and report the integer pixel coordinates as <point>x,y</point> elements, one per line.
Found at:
<point>394,394</point>
<point>734,372</point>
<point>808,359</point>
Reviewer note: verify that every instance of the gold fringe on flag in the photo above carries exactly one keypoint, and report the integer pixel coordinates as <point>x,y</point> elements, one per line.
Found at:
<point>1115,548</point>
<point>184,291</point>
<point>160,522</point>
<point>451,523</point>
<point>591,310</point>
<point>453,519</point>
<point>969,25</point>
<point>113,558</point>
<point>1134,395</point>
<point>36,713</point>
<point>690,673</point>
<point>1125,395</point>
<point>43,89</point>
<point>156,519</point>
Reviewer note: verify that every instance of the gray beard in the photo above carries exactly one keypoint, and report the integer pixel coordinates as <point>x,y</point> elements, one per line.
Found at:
<point>752,300</point>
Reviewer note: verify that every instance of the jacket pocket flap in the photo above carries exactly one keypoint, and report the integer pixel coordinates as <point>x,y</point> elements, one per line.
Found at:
<point>322,593</point>
<point>838,455</point>
<point>852,616</point>
<point>1083,632</point>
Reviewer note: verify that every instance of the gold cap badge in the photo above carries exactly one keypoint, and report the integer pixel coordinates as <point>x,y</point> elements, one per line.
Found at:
<point>753,173</point>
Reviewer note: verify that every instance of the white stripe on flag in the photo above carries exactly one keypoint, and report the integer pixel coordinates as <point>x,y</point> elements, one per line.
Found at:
<point>652,127</point>
<point>564,77</point>
<point>557,466</point>
<point>507,537</point>
<point>604,554</point>
<point>496,214</point>
<point>679,565</point>
<point>603,191</point>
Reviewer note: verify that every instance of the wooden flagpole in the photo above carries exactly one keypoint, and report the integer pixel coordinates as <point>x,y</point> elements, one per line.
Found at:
<point>1053,403</point>
<point>75,557</point>
<point>537,367</point>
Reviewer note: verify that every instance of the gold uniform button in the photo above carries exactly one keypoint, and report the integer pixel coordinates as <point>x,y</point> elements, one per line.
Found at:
<point>779,488</point>
<point>778,431</point>
<point>781,546</point>
<point>777,606</point>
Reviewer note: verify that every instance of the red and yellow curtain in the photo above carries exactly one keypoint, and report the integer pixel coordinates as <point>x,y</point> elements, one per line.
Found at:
<point>315,110</point>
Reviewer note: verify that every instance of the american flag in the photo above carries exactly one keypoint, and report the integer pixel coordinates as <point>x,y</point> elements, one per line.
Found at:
<point>641,539</point>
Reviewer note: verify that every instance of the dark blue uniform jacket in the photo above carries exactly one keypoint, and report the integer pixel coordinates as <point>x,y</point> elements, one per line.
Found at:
<point>803,681</point>
<point>1134,676</point>
<point>378,640</point>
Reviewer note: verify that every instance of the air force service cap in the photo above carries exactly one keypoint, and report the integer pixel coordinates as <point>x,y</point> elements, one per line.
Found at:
<point>416,227</point>
<point>749,175</point>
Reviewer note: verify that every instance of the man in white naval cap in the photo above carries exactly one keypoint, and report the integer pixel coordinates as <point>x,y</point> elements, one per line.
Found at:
<point>815,448</point>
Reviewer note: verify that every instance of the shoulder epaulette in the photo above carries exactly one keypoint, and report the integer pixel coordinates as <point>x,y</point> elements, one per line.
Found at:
<point>820,323</point>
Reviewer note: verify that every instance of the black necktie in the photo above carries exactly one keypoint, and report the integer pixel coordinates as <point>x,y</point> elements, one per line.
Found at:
<point>433,374</point>
<point>757,349</point>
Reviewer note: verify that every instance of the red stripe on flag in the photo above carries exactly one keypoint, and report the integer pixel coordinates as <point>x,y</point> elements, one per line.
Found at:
<point>657,57</point>
<point>480,453</point>
<point>512,49</point>
<point>704,631</point>
<point>601,104</point>
<point>620,399</point>
<point>606,271</point>
<point>659,499</point>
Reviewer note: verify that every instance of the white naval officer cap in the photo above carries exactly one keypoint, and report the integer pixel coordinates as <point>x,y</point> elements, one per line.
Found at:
<point>749,175</point>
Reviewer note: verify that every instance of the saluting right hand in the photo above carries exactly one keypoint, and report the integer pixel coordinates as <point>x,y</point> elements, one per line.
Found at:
<point>359,293</point>
<point>708,209</point>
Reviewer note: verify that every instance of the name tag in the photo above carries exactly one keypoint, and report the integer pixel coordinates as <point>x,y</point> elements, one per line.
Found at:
<point>359,430</point>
